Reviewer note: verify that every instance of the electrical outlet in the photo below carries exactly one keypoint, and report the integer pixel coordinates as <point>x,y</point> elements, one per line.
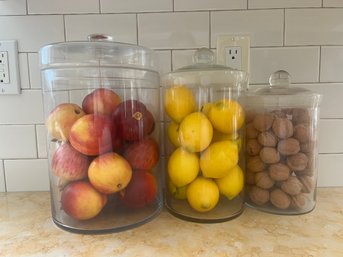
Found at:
<point>9,67</point>
<point>234,51</point>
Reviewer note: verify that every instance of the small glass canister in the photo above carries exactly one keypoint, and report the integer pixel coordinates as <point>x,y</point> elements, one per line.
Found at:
<point>203,139</point>
<point>101,103</point>
<point>281,147</point>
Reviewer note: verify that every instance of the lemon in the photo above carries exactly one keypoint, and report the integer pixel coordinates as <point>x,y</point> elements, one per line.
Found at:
<point>202,194</point>
<point>177,192</point>
<point>178,102</point>
<point>173,133</point>
<point>183,167</point>
<point>232,184</point>
<point>219,136</point>
<point>226,115</point>
<point>195,132</point>
<point>218,159</point>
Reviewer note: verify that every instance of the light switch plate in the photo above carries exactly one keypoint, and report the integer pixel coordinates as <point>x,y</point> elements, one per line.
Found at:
<point>9,67</point>
<point>234,51</point>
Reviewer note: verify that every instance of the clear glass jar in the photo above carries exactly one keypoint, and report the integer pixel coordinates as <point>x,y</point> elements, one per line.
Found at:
<point>281,147</point>
<point>101,104</point>
<point>203,140</point>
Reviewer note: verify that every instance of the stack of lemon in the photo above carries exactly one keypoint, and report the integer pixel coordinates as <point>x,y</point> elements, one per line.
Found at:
<point>205,161</point>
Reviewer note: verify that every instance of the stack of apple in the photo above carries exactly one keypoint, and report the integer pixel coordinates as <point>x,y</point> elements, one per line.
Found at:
<point>105,148</point>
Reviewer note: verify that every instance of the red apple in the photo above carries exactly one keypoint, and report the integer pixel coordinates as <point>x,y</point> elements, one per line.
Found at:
<point>69,164</point>
<point>81,201</point>
<point>101,101</point>
<point>134,120</point>
<point>94,134</point>
<point>109,173</point>
<point>62,118</point>
<point>141,190</point>
<point>143,154</point>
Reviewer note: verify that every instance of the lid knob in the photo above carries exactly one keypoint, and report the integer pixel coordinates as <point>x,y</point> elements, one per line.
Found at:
<point>204,56</point>
<point>280,78</point>
<point>99,37</point>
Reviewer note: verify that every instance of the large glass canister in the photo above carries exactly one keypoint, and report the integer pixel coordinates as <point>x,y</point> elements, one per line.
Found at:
<point>203,140</point>
<point>281,147</point>
<point>101,104</point>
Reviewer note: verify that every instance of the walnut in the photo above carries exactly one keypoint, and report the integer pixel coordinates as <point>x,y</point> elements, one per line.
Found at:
<point>258,195</point>
<point>263,180</point>
<point>302,132</point>
<point>291,186</point>
<point>250,131</point>
<point>255,164</point>
<point>269,155</point>
<point>250,178</point>
<point>280,199</point>
<point>297,162</point>
<point>279,172</point>
<point>298,201</point>
<point>282,128</point>
<point>288,146</point>
<point>253,147</point>
<point>263,122</point>
<point>308,184</point>
<point>249,116</point>
<point>307,147</point>
<point>300,115</point>
<point>279,114</point>
<point>306,172</point>
<point>267,139</point>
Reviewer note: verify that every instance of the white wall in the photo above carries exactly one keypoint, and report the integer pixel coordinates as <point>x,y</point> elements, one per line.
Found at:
<point>304,37</point>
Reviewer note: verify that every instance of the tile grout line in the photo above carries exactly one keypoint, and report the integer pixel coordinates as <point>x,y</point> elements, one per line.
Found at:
<point>320,64</point>
<point>29,70</point>
<point>27,7</point>
<point>209,29</point>
<point>137,32</point>
<point>173,5</point>
<point>36,139</point>
<point>284,27</point>
<point>100,7</point>
<point>64,28</point>
<point>4,174</point>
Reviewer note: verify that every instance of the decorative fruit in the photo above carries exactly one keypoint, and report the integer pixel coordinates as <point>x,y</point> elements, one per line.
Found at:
<point>218,159</point>
<point>101,101</point>
<point>173,133</point>
<point>227,116</point>
<point>134,120</point>
<point>177,192</point>
<point>183,167</point>
<point>195,132</point>
<point>141,190</point>
<point>94,134</point>
<point>109,173</point>
<point>232,184</point>
<point>203,194</point>
<point>81,201</point>
<point>178,102</point>
<point>61,119</point>
<point>143,154</point>
<point>69,164</point>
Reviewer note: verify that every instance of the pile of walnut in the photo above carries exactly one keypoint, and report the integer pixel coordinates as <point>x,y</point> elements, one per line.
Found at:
<point>280,158</point>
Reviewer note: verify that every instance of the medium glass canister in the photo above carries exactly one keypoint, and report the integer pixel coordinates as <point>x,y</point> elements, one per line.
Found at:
<point>203,140</point>
<point>101,105</point>
<point>281,147</point>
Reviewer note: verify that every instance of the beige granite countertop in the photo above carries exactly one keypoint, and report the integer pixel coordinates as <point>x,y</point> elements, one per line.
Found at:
<point>26,230</point>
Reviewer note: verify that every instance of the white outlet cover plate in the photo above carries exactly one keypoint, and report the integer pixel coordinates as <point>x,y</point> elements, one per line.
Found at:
<point>227,41</point>
<point>12,83</point>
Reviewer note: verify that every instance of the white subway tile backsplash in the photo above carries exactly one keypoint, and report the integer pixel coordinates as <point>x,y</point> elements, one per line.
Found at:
<point>314,26</point>
<point>27,175</point>
<point>2,177</point>
<point>302,63</point>
<point>330,168</point>
<point>122,27</point>
<point>331,64</point>
<point>332,105</point>
<point>118,6</point>
<point>26,108</point>
<point>254,4</point>
<point>265,27</point>
<point>41,133</point>
<point>13,7</point>
<point>17,141</point>
<point>332,3</point>
<point>32,32</point>
<point>35,79</point>
<point>329,136</point>
<point>174,30</point>
<point>24,71</point>
<point>182,58</point>
<point>62,6</point>
<point>164,61</point>
<point>181,5</point>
